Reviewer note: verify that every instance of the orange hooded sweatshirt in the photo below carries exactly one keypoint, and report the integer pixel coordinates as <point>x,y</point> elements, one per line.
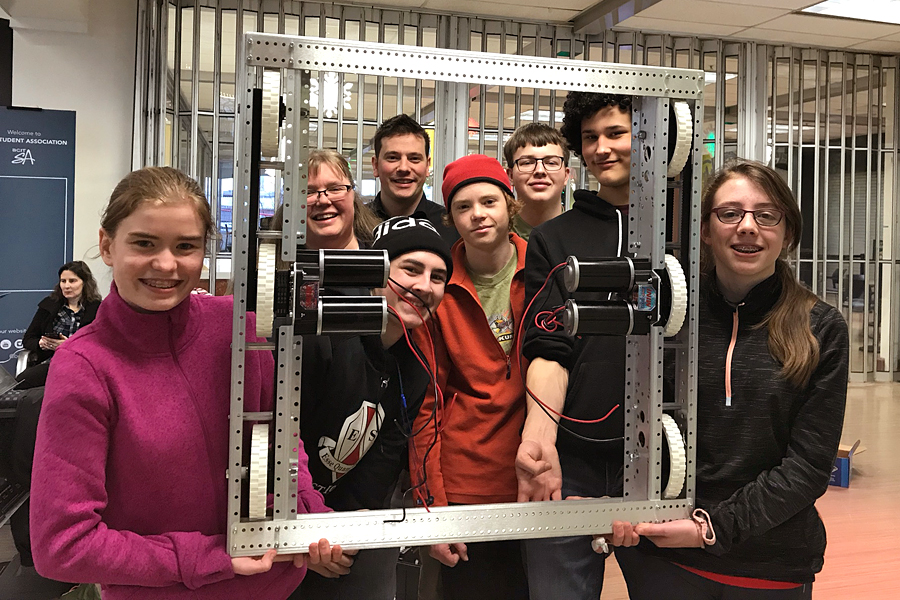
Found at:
<point>472,459</point>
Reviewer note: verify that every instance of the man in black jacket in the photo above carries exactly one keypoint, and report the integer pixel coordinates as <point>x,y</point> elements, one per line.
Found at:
<point>360,395</point>
<point>401,163</point>
<point>579,377</point>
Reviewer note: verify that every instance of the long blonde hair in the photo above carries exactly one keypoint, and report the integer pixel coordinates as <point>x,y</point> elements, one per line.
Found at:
<point>791,341</point>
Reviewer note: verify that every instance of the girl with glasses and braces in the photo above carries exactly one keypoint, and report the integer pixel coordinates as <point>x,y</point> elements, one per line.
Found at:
<point>770,404</point>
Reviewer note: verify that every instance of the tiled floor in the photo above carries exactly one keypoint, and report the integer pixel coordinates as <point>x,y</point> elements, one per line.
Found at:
<point>863,521</point>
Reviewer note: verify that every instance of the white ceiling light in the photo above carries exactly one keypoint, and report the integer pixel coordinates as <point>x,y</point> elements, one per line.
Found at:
<point>333,94</point>
<point>543,116</point>
<point>711,77</point>
<point>880,11</point>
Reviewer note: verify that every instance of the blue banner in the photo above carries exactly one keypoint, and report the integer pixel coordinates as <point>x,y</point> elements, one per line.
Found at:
<point>37,201</point>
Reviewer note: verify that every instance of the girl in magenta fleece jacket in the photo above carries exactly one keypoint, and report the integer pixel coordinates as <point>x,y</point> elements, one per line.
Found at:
<point>129,487</point>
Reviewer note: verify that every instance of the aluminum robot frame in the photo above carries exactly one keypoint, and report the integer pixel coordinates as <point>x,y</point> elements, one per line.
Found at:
<point>282,65</point>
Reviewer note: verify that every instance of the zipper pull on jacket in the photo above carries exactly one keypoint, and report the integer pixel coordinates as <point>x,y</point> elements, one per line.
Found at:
<point>730,354</point>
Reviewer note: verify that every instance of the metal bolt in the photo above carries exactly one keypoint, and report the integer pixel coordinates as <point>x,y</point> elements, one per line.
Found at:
<point>642,135</point>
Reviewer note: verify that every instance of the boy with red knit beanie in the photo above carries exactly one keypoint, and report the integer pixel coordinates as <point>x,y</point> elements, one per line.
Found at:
<point>469,440</point>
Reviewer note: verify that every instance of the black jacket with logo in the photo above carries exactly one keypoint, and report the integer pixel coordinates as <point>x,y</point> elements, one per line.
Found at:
<point>358,401</point>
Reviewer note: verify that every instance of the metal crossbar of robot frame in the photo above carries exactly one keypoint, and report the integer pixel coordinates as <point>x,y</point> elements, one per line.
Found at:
<point>419,526</point>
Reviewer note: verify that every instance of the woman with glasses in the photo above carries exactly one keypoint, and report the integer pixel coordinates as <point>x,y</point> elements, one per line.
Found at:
<point>337,219</point>
<point>772,387</point>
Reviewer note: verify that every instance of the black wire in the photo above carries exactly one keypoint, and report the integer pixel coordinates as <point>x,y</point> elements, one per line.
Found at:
<point>433,375</point>
<point>432,418</point>
<point>405,429</point>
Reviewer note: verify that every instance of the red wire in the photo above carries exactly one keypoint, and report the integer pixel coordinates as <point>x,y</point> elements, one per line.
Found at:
<point>421,318</point>
<point>445,412</point>
<point>556,323</point>
<point>547,321</point>
<point>408,341</point>
<point>439,395</point>
<point>392,310</point>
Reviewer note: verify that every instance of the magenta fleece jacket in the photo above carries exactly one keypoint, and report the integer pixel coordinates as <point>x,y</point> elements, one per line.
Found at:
<point>129,488</point>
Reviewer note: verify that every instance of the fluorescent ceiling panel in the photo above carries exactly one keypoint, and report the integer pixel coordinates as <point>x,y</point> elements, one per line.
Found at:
<point>710,77</point>
<point>880,11</point>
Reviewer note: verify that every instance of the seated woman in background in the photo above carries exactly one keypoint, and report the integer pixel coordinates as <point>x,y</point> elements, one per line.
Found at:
<point>772,386</point>
<point>72,304</point>
<point>128,488</point>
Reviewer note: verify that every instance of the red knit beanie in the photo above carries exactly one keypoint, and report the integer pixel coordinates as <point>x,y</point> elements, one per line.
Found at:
<point>472,169</point>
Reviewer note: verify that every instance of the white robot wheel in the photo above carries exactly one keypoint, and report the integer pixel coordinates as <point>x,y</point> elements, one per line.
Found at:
<point>682,143</point>
<point>271,113</point>
<point>678,311</point>
<point>259,470</point>
<point>677,458</point>
<point>265,296</point>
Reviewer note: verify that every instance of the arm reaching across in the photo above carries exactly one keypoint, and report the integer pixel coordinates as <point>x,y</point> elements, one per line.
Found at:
<point>537,463</point>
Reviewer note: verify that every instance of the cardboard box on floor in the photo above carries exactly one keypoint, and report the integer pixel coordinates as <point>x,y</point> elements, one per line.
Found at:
<point>843,464</point>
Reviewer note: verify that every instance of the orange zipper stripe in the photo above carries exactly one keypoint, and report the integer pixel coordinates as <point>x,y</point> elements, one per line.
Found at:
<point>734,332</point>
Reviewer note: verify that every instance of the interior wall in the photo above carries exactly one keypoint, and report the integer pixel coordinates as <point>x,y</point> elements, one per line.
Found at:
<point>93,74</point>
<point>5,63</point>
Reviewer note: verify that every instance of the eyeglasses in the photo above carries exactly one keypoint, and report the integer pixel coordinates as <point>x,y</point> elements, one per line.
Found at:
<point>527,164</point>
<point>766,217</point>
<point>331,191</point>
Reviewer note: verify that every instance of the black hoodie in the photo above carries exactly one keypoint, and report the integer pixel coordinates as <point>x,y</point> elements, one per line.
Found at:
<point>596,364</point>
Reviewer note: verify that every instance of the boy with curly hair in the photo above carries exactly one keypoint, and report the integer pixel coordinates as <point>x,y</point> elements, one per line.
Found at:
<point>581,377</point>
